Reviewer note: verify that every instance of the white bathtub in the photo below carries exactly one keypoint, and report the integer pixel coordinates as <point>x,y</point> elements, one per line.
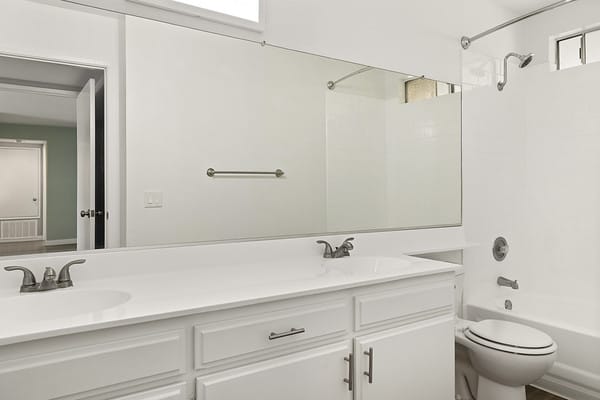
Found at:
<point>575,326</point>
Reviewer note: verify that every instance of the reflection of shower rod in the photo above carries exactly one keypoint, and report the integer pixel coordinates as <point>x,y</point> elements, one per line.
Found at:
<point>331,84</point>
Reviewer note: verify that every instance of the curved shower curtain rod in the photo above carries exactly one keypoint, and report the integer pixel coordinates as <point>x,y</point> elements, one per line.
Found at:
<point>331,84</point>
<point>466,41</point>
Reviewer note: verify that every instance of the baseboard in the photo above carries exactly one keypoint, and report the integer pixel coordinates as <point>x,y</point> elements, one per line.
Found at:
<point>60,242</point>
<point>30,239</point>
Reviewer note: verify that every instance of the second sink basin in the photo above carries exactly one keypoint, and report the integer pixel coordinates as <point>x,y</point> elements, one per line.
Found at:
<point>58,304</point>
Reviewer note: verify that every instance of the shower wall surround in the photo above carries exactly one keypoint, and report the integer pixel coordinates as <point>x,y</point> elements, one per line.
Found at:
<point>532,176</point>
<point>542,154</point>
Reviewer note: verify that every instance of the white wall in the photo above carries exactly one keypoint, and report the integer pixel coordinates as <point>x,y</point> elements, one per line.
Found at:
<point>531,168</point>
<point>415,37</point>
<point>391,164</point>
<point>186,114</point>
<point>47,30</point>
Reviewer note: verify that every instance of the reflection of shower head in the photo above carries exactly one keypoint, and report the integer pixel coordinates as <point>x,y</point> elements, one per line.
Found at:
<point>524,60</point>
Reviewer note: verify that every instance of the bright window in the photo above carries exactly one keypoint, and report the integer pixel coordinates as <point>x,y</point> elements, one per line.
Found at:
<point>592,42</point>
<point>242,13</point>
<point>245,9</point>
<point>578,49</point>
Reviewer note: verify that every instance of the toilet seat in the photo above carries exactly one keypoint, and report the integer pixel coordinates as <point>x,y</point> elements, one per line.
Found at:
<point>510,337</point>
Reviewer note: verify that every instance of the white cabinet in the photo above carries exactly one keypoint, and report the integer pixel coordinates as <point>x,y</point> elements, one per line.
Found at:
<point>312,375</point>
<point>306,348</point>
<point>413,362</point>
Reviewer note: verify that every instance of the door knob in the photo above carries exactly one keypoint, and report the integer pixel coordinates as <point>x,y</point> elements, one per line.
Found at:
<point>90,213</point>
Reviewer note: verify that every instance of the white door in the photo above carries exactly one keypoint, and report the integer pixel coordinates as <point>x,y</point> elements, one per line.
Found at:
<point>86,161</point>
<point>312,375</point>
<point>414,362</point>
<point>20,182</point>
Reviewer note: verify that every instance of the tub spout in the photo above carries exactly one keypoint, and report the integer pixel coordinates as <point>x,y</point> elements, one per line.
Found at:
<point>502,281</point>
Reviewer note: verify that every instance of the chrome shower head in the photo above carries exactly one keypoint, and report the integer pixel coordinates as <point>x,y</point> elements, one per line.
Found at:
<point>524,60</point>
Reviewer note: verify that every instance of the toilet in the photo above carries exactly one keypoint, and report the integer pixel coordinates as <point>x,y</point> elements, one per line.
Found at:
<point>506,356</point>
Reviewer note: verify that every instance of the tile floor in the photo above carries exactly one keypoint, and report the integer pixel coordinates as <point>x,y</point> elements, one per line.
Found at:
<point>538,394</point>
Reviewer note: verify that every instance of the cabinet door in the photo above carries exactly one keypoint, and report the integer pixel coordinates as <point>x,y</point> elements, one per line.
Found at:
<point>413,362</point>
<point>312,375</point>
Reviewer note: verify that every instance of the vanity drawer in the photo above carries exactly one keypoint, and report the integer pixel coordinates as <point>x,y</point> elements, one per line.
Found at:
<point>407,303</point>
<point>252,336</point>
<point>81,369</point>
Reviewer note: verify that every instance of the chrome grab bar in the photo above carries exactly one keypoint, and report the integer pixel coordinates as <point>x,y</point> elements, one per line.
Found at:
<point>212,172</point>
<point>291,332</point>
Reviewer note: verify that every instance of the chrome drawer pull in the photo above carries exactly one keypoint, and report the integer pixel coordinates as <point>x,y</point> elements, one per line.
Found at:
<point>350,379</point>
<point>291,332</point>
<point>370,373</point>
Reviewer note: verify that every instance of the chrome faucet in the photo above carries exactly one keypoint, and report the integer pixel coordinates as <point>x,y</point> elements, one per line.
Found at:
<point>49,281</point>
<point>342,251</point>
<point>502,281</point>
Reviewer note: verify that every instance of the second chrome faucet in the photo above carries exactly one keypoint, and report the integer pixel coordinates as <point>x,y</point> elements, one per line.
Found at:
<point>342,251</point>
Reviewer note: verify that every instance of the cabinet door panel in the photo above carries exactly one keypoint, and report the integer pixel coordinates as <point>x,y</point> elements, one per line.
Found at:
<point>413,362</point>
<point>312,375</point>
<point>172,392</point>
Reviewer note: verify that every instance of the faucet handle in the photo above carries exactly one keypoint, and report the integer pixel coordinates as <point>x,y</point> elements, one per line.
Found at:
<point>348,243</point>
<point>328,249</point>
<point>64,277</point>
<point>28,276</point>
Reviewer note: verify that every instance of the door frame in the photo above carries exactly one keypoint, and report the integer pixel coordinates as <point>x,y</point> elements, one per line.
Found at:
<point>43,144</point>
<point>89,64</point>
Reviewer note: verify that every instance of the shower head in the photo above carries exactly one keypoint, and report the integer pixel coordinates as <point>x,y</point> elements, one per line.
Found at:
<point>524,60</point>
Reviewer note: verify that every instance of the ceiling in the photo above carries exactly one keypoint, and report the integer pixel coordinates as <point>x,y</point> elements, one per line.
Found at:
<point>41,93</point>
<point>45,74</point>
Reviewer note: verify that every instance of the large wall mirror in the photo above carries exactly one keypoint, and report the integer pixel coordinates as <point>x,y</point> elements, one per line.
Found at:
<point>228,139</point>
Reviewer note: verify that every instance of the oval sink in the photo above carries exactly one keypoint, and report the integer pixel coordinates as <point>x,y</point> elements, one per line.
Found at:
<point>59,304</point>
<point>366,265</point>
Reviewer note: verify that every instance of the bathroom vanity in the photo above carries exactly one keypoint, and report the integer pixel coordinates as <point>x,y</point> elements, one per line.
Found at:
<point>360,327</point>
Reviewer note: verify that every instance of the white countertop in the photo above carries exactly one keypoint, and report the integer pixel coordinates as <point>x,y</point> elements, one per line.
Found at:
<point>178,292</point>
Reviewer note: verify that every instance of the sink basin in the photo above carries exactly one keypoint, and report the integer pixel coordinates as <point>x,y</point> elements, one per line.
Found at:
<point>58,304</point>
<point>366,265</point>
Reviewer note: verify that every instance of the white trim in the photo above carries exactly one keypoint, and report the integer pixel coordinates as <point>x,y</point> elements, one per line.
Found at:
<point>9,87</point>
<point>192,11</point>
<point>60,242</point>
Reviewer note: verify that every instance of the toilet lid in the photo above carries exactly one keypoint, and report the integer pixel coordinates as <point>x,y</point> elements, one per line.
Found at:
<point>511,334</point>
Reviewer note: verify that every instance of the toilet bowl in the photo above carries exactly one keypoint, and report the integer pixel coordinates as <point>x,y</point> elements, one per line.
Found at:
<point>506,356</point>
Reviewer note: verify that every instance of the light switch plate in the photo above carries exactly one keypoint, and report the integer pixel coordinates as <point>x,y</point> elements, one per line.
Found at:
<point>153,199</point>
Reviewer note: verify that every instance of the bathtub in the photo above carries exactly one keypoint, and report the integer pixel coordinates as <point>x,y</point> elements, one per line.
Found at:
<point>574,326</point>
